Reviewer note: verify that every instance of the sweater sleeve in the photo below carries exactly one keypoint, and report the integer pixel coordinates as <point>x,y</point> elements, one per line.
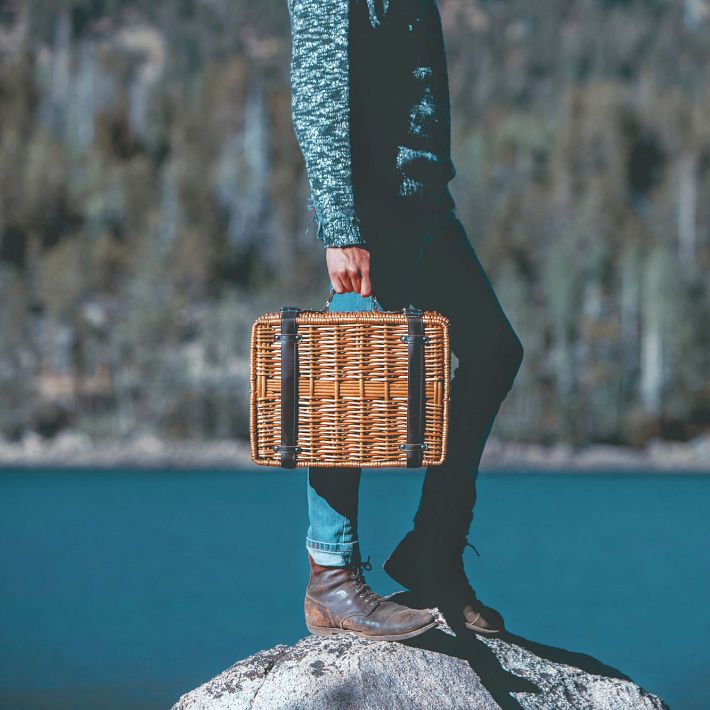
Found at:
<point>320,112</point>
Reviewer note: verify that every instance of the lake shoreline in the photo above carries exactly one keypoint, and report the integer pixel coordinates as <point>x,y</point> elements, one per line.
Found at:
<point>76,450</point>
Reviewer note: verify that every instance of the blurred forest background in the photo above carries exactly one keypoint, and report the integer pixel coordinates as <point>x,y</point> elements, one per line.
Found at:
<point>152,204</point>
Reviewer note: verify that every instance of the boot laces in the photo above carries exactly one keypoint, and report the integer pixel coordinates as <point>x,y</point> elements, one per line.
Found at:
<point>362,588</point>
<point>468,544</point>
<point>459,574</point>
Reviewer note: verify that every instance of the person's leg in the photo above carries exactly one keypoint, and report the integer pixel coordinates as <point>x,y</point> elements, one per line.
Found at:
<point>338,599</point>
<point>433,266</point>
<point>332,495</point>
<point>489,353</point>
<point>332,492</point>
<point>450,279</point>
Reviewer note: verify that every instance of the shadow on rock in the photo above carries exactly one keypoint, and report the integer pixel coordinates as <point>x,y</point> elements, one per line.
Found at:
<point>483,661</point>
<point>479,652</point>
<point>583,661</point>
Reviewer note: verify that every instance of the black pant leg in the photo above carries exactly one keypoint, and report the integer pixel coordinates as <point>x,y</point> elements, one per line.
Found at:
<point>435,267</point>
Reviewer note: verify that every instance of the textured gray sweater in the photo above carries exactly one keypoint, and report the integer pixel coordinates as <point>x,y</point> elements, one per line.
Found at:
<point>412,48</point>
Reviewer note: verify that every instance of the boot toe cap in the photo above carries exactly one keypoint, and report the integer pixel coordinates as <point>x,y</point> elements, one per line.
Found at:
<point>395,622</point>
<point>484,619</point>
<point>407,618</point>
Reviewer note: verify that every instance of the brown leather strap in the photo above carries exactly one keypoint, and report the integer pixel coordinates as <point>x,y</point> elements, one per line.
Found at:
<point>416,340</point>
<point>289,338</point>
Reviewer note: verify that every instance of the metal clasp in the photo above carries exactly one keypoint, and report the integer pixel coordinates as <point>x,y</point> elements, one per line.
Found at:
<point>287,337</point>
<point>413,447</point>
<point>412,338</point>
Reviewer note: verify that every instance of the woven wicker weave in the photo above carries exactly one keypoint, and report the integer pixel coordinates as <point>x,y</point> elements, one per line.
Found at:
<point>352,388</point>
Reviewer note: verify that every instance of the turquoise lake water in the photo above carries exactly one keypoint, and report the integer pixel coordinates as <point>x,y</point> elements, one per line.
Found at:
<point>125,589</point>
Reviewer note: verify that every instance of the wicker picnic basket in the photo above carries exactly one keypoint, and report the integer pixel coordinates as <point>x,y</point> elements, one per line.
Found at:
<point>349,389</point>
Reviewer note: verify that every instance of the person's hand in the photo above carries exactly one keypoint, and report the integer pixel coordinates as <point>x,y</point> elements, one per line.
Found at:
<point>349,269</point>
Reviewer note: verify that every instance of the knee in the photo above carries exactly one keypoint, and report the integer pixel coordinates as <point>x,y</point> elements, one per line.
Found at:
<point>508,356</point>
<point>513,348</point>
<point>494,365</point>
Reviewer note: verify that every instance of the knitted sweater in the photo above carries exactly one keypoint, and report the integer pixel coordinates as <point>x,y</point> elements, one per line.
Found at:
<point>412,97</point>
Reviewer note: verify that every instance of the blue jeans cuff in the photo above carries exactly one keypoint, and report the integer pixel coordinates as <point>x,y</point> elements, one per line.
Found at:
<point>333,554</point>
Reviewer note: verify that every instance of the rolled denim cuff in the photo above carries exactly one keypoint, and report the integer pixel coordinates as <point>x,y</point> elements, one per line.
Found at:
<point>333,554</point>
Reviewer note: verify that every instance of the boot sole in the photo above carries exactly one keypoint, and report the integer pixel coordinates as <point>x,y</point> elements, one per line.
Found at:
<point>333,631</point>
<point>485,632</point>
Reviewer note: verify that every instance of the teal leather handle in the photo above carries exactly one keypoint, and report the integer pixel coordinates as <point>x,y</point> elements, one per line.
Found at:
<point>357,302</point>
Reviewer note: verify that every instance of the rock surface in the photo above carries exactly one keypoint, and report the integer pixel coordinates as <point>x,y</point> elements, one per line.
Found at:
<point>435,671</point>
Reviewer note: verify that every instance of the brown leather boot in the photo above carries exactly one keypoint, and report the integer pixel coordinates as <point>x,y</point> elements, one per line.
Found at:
<point>338,600</point>
<point>437,578</point>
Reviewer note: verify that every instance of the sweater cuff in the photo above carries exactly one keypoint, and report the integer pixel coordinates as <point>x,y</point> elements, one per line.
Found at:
<point>340,231</point>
